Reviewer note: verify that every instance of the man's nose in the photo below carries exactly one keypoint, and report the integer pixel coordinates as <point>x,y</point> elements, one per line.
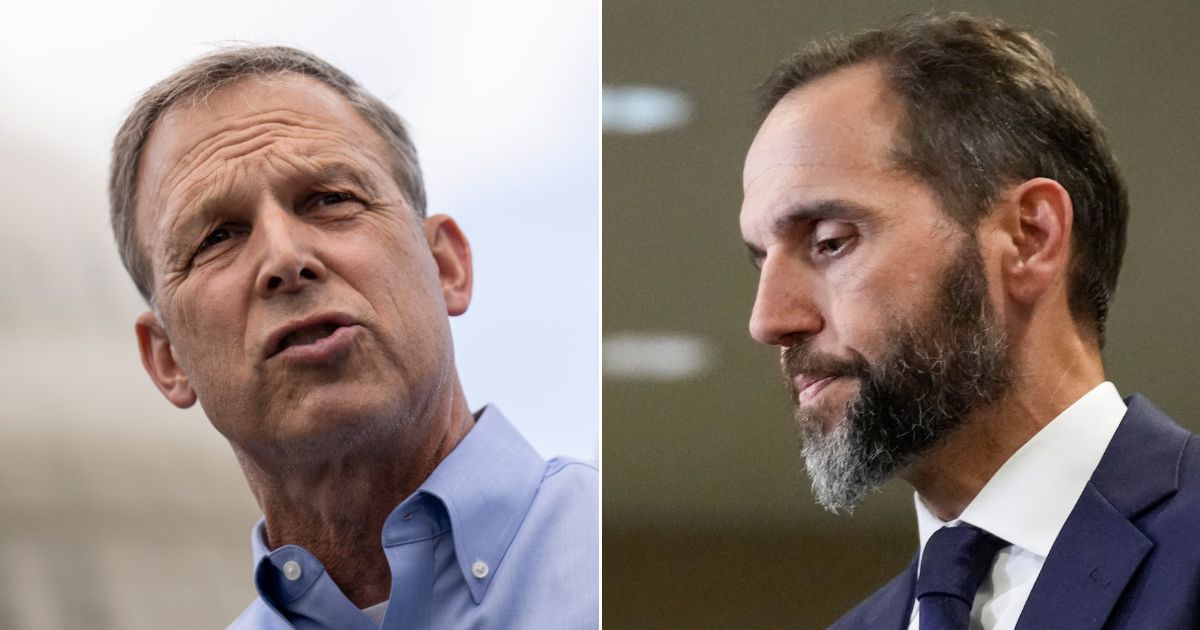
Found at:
<point>785,312</point>
<point>289,258</point>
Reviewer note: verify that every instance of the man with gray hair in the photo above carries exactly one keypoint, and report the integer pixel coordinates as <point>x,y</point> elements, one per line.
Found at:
<point>272,213</point>
<point>938,223</point>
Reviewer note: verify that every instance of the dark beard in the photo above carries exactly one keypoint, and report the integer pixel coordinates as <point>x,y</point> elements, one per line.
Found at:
<point>936,371</point>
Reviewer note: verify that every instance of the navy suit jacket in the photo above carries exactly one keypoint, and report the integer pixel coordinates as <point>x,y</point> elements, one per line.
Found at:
<point>1128,555</point>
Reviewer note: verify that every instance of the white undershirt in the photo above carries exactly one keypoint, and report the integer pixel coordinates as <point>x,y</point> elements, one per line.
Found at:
<point>375,612</point>
<point>1027,501</point>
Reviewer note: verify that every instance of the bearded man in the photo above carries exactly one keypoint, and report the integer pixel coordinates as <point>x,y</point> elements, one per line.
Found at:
<point>939,223</point>
<point>272,213</point>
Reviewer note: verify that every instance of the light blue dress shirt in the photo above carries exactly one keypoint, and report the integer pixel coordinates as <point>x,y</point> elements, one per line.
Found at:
<point>496,537</point>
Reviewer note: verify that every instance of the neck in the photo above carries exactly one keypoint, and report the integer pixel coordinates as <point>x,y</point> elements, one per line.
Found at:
<point>1053,377</point>
<point>335,507</point>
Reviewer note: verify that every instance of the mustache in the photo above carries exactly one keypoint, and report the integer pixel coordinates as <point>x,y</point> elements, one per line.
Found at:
<point>800,359</point>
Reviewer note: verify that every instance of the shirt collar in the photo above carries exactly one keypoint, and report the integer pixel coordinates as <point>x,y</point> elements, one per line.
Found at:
<point>486,485</point>
<point>1029,498</point>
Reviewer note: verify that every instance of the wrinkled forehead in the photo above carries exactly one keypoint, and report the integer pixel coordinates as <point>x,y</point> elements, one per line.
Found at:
<point>201,131</point>
<point>189,125</point>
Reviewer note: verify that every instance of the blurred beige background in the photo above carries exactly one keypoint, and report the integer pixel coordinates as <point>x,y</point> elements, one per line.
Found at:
<point>118,511</point>
<point>708,519</point>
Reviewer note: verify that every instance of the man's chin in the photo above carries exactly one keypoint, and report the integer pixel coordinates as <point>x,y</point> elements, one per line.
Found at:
<point>841,471</point>
<point>321,423</point>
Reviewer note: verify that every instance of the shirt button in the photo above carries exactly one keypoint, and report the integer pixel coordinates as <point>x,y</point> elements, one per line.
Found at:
<point>479,569</point>
<point>291,570</point>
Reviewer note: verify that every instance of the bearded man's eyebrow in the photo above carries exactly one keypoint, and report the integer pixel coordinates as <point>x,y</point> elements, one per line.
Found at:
<point>825,209</point>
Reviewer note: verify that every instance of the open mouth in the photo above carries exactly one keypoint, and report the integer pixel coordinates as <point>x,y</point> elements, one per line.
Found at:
<point>311,338</point>
<point>306,336</point>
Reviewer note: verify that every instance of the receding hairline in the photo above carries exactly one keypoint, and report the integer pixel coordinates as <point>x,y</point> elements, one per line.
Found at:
<point>887,102</point>
<point>185,103</point>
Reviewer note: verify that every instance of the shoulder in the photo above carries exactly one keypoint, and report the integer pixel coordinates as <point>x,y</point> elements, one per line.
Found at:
<point>1152,467</point>
<point>1152,477</point>
<point>1150,474</point>
<point>1189,473</point>
<point>570,489</point>
<point>564,470</point>
<point>1175,517</point>
<point>257,616</point>
<point>549,577</point>
<point>564,515</point>
<point>571,478</point>
<point>1163,591</point>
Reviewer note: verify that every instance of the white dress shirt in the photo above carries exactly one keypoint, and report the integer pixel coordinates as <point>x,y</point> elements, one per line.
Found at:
<point>1027,501</point>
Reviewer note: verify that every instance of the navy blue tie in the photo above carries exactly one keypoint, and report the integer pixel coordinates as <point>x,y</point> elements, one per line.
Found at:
<point>953,565</point>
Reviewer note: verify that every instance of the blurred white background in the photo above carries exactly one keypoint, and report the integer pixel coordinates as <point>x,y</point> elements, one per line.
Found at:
<point>116,509</point>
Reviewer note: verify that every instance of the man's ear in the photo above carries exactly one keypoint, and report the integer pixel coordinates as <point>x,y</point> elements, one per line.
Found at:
<point>452,253</point>
<point>159,360</point>
<point>1039,225</point>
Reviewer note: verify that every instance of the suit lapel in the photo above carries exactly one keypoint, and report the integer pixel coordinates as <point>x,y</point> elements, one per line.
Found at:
<point>1088,567</point>
<point>895,601</point>
<point>1099,548</point>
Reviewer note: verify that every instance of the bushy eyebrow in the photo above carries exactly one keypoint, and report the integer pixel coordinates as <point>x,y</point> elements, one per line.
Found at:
<point>808,212</point>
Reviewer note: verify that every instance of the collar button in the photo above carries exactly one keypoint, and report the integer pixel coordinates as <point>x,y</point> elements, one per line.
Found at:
<point>479,569</point>
<point>291,570</point>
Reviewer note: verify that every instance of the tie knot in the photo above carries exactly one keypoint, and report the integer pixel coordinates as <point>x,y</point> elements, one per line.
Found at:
<point>955,561</point>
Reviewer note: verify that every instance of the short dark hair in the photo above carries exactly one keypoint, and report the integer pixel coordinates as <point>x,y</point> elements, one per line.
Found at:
<point>986,107</point>
<point>209,73</point>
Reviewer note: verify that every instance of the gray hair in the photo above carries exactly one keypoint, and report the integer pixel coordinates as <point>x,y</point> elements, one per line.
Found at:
<point>204,76</point>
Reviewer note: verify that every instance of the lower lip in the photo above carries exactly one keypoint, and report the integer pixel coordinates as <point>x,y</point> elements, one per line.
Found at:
<point>330,348</point>
<point>808,394</point>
